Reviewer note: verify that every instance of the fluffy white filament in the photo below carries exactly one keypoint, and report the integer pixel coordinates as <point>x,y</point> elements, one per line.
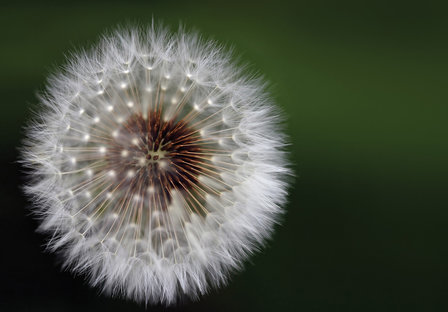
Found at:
<point>119,208</point>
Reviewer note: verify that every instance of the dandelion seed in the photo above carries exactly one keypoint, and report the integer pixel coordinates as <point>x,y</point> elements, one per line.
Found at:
<point>168,198</point>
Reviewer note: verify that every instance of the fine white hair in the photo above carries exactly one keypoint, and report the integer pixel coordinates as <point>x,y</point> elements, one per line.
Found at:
<point>155,164</point>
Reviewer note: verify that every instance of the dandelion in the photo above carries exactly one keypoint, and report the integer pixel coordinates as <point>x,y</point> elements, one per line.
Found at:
<point>157,167</point>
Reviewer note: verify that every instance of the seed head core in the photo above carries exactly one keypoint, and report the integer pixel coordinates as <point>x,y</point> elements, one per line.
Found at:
<point>153,154</point>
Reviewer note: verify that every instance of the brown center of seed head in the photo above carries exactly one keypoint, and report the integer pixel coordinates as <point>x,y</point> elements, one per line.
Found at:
<point>150,157</point>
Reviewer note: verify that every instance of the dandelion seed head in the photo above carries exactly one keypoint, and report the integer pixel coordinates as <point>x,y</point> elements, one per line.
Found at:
<point>167,161</point>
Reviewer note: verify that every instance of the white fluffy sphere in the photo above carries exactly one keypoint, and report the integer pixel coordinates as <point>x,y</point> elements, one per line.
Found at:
<point>157,167</point>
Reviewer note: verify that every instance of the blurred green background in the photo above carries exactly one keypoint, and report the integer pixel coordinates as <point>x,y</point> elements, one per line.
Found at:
<point>363,85</point>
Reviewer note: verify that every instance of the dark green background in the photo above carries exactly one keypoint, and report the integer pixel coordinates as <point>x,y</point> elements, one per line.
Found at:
<point>364,88</point>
